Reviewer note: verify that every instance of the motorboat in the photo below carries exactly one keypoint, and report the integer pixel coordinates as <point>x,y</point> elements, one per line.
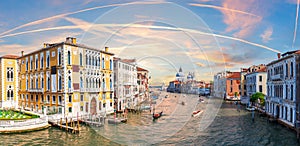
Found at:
<point>196,113</point>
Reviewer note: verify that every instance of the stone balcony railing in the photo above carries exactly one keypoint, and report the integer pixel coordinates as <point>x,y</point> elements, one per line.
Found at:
<point>277,77</point>
<point>36,90</point>
<point>70,90</point>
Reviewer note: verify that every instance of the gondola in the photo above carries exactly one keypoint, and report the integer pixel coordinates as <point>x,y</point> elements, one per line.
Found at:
<point>157,115</point>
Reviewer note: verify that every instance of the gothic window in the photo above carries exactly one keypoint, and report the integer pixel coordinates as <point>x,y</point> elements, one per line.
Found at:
<point>80,59</point>
<point>69,58</point>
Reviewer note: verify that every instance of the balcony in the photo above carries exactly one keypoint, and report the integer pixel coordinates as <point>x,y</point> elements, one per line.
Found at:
<point>82,90</point>
<point>277,77</point>
<point>70,90</point>
<point>274,99</point>
<point>36,90</point>
<point>94,90</point>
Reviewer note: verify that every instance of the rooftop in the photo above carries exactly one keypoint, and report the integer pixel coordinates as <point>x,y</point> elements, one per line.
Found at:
<point>234,75</point>
<point>10,57</point>
<point>141,69</point>
<point>69,41</point>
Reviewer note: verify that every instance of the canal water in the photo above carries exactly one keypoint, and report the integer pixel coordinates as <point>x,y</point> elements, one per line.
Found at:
<point>229,127</point>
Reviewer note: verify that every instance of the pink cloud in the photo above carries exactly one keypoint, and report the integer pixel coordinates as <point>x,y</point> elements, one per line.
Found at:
<point>266,36</point>
<point>242,25</point>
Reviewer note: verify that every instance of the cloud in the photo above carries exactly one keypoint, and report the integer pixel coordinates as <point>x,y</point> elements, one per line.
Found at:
<point>59,16</point>
<point>242,25</point>
<point>223,9</point>
<point>12,49</point>
<point>84,25</point>
<point>266,36</point>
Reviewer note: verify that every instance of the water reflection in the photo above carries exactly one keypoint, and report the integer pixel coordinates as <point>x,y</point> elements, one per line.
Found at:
<point>230,127</point>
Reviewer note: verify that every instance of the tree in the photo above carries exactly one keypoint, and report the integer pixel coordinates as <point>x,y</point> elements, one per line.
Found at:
<point>258,97</point>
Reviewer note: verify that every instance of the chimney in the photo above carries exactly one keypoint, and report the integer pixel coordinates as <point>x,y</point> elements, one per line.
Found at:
<point>68,40</point>
<point>22,53</point>
<point>278,55</point>
<point>106,49</point>
<point>74,41</point>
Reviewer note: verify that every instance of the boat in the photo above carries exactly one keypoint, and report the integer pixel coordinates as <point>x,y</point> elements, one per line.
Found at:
<point>116,121</point>
<point>196,113</point>
<point>157,115</point>
<point>250,108</point>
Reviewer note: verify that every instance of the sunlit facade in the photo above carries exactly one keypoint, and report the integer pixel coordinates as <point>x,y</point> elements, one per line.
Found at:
<point>67,78</point>
<point>9,81</point>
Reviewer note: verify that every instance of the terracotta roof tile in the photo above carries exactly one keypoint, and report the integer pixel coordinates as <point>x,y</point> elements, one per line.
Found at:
<point>141,69</point>
<point>10,56</point>
<point>234,75</point>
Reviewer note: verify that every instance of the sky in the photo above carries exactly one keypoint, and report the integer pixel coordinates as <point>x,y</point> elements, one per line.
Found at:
<point>200,36</point>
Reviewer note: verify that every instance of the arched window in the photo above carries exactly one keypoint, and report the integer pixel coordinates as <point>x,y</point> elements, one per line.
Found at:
<point>69,58</point>
<point>42,62</point>
<point>48,83</point>
<point>59,83</point>
<point>36,62</point>
<point>8,75</point>
<point>87,83</point>
<point>59,57</point>
<point>69,82</point>
<point>110,83</point>
<point>86,60</point>
<point>48,60</point>
<point>90,60</point>
<point>42,83</point>
<point>36,83</point>
<point>80,59</point>
<point>93,63</point>
<point>11,94</point>
<point>90,81</point>
<point>81,82</point>
<point>99,61</point>
<point>103,63</point>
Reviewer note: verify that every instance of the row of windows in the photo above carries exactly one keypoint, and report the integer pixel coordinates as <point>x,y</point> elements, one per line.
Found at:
<point>283,112</point>
<point>277,91</point>
<point>289,70</point>
<point>41,98</point>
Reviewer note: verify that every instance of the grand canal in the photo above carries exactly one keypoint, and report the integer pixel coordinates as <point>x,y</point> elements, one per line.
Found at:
<point>229,127</point>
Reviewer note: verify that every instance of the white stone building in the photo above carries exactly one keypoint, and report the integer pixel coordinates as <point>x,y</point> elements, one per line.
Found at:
<point>282,95</point>
<point>125,83</point>
<point>256,81</point>
<point>219,84</point>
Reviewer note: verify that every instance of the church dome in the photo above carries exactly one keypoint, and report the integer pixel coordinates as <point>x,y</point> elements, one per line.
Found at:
<point>177,75</point>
